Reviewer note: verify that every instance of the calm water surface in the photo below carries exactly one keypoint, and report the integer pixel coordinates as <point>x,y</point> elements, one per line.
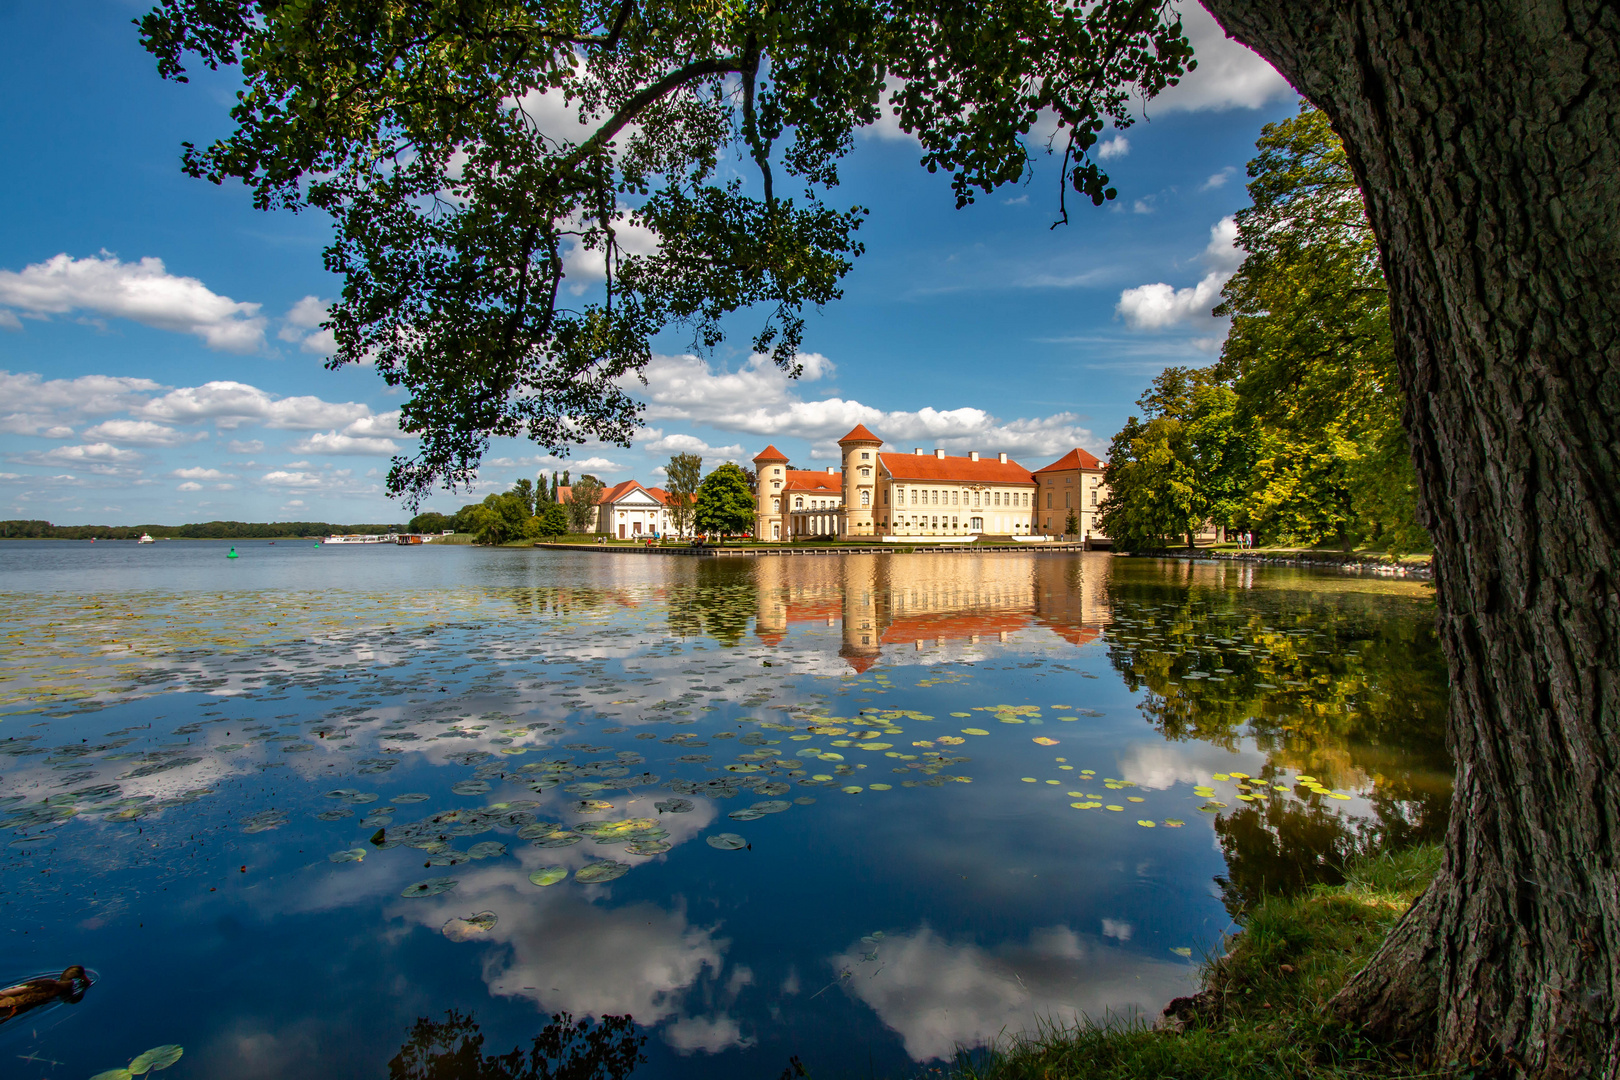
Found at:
<point>862,809</point>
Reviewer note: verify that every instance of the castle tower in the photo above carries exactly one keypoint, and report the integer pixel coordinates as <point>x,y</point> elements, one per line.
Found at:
<point>770,473</point>
<point>860,448</point>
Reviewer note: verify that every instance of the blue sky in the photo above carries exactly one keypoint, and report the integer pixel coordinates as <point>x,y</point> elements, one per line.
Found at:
<point>161,361</point>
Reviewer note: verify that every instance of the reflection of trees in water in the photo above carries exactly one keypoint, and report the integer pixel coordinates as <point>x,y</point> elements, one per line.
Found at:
<point>720,602</point>
<point>552,600</point>
<point>565,1049</point>
<point>1353,693</point>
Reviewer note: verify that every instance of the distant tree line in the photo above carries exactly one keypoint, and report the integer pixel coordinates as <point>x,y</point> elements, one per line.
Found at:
<point>1295,433</point>
<point>207,530</point>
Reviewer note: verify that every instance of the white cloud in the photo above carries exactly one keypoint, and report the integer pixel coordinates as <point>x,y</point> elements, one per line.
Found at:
<point>332,442</point>
<point>9,320</point>
<point>1118,929</point>
<point>200,473</point>
<point>294,479</point>
<point>759,399</point>
<point>231,404</point>
<point>688,444</point>
<point>245,446</point>
<point>1218,180</point>
<point>140,433</point>
<point>190,485</point>
<point>940,996</point>
<point>585,266</point>
<point>594,465</point>
<point>141,291</point>
<point>1229,75</point>
<point>1143,205</point>
<point>101,458</point>
<point>302,326</point>
<point>1116,147</point>
<point>1157,306</point>
<point>710,1035</point>
<point>48,407</point>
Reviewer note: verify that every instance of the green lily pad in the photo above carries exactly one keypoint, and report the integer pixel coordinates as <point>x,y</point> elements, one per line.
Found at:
<point>726,841</point>
<point>745,815</point>
<point>648,847</point>
<point>470,787</point>
<point>673,806</point>
<point>559,839</point>
<point>430,887</point>
<point>597,873</point>
<point>410,797</point>
<point>471,927</point>
<point>112,1074</point>
<point>352,855</point>
<point>487,849</point>
<point>159,1057</point>
<point>548,875</point>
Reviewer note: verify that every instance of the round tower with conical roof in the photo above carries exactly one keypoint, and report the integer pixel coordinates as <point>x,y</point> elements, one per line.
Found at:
<point>770,474</point>
<point>860,449</point>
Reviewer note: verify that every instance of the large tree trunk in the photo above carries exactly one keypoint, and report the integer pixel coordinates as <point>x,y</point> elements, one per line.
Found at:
<point>1486,137</point>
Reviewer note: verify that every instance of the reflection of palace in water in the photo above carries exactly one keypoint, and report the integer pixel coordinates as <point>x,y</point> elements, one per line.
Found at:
<point>921,600</point>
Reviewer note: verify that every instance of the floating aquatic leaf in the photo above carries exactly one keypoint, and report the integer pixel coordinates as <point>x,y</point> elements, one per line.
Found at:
<point>590,806</point>
<point>548,875</point>
<point>1184,952</point>
<point>880,787</point>
<point>875,745</point>
<point>558,840</point>
<point>471,927</point>
<point>1085,805</point>
<point>112,1074</point>
<point>745,815</point>
<point>648,847</point>
<point>486,849</point>
<point>673,806</point>
<point>727,841</point>
<point>1146,824</point>
<point>159,1057</point>
<point>470,787</point>
<point>264,821</point>
<point>430,887</point>
<point>1029,779</point>
<point>410,797</point>
<point>1134,798</point>
<point>853,789</point>
<point>352,855</point>
<point>1114,808</point>
<point>974,731</point>
<point>771,806</point>
<point>598,872</point>
<point>1212,807</point>
<point>1042,740</point>
<point>1221,776</point>
<point>1172,823</point>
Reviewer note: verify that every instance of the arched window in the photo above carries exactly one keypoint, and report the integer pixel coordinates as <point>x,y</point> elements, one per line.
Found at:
<point>776,506</point>
<point>798,504</point>
<point>866,498</point>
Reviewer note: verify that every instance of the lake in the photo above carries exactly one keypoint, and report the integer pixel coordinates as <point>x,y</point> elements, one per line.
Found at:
<point>862,809</point>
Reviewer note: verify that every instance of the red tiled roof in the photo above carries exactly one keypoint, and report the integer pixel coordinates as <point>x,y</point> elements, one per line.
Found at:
<point>624,488</point>
<point>1074,459</point>
<point>658,493</point>
<point>770,453</point>
<point>810,480</point>
<point>859,434</point>
<point>955,469</point>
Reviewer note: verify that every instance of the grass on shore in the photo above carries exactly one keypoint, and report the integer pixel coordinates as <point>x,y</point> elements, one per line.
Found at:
<point>1263,1012</point>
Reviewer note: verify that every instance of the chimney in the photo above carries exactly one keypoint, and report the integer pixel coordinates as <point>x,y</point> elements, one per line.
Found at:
<point>1002,457</point>
<point>831,470</point>
<point>918,451</point>
<point>939,453</point>
<point>973,455</point>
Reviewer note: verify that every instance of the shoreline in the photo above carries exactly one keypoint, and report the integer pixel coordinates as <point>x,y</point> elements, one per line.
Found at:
<point>1382,566</point>
<point>883,549</point>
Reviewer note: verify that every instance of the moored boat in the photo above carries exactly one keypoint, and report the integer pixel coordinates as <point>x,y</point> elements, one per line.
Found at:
<point>362,538</point>
<point>146,538</point>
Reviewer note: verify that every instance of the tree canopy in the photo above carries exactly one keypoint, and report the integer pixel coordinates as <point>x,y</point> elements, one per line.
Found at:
<point>468,150</point>
<point>725,505</point>
<point>685,473</point>
<point>581,502</point>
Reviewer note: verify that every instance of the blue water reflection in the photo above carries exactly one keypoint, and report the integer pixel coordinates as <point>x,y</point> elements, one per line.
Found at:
<point>189,742</point>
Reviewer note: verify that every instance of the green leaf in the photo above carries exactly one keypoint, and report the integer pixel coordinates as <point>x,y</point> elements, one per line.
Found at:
<point>159,1057</point>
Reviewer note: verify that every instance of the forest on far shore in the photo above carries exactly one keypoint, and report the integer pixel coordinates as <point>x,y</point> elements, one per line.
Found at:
<point>206,530</point>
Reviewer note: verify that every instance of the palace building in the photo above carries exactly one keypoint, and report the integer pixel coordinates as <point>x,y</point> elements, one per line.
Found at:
<point>925,496</point>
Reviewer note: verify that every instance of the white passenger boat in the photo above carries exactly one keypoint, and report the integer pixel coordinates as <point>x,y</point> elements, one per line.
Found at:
<point>146,538</point>
<point>363,538</point>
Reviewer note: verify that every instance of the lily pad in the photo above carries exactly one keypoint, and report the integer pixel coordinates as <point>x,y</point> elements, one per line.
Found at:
<point>471,927</point>
<point>726,841</point>
<point>1043,740</point>
<point>559,839</point>
<point>648,847</point>
<point>430,887</point>
<point>159,1057</point>
<point>771,806</point>
<point>590,806</point>
<point>487,849</point>
<point>745,815</point>
<point>410,797</point>
<point>470,787</point>
<point>597,873</point>
<point>548,875</point>
<point>974,731</point>
<point>352,855</point>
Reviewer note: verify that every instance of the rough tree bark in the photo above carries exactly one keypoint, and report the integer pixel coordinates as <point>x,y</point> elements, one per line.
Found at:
<point>1486,138</point>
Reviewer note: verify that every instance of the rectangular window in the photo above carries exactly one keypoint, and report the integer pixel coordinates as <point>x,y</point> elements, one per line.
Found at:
<point>1049,500</point>
<point>1065,500</point>
<point>1093,496</point>
<point>913,496</point>
<point>885,498</point>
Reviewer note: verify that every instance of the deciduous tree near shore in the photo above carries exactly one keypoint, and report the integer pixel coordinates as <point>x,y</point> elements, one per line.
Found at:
<point>685,475</point>
<point>1483,136</point>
